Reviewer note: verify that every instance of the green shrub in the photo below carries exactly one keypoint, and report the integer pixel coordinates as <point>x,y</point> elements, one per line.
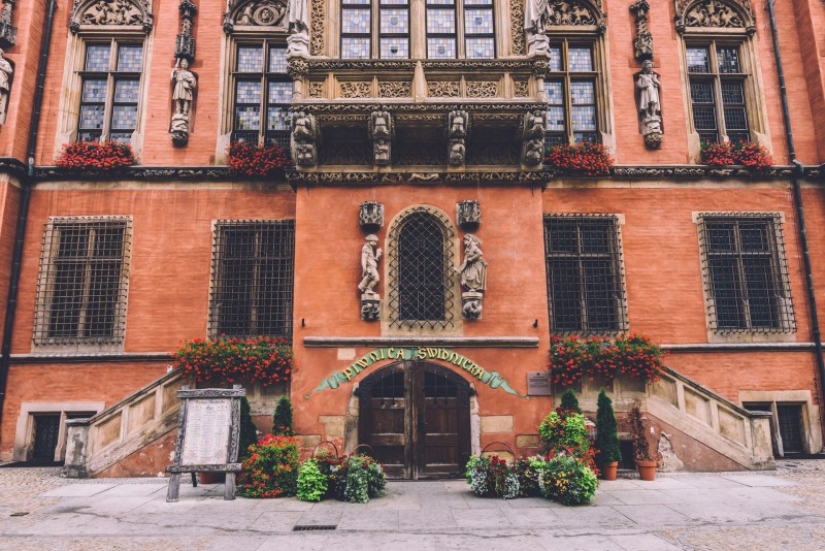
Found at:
<point>364,478</point>
<point>312,483</point>
<point>566,480</point>
<point>282,419</point>
<point>607,444</point>
<point>249,433</point>
<point>569,402</point>
<point>271,470</point>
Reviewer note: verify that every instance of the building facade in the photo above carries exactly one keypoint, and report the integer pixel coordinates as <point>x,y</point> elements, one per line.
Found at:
<point>420,254</point>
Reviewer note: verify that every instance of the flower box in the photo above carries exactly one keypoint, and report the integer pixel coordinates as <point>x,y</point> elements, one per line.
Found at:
<point>95,157</point>
<point>247,159</point>
<point>585,159</point>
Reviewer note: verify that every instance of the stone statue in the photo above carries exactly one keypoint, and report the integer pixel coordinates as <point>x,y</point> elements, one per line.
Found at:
<point>381,131</point>
<point>304,138</point>
<point>5,85</point>
<point>649,107</point>
<point>533,139</point>
<point>457,133</point>
<point>537,13</point>
<point>474,268</point>
<point>185,84</point>
<point>298,16</point>
<point>370,255</point>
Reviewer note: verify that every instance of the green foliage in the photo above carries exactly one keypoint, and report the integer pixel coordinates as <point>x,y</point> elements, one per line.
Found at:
<point>607,444</point>
<point>355,478</point>
<point>271,470</point>
<point>566,480</point>
<point>569,402</point>
<point>641,447</point>
<point>565,433</point>
<point>492,476</point>
<point>249,433</point>
<point>312,483</point>
<point>528,478</point>
<point>282,420</point>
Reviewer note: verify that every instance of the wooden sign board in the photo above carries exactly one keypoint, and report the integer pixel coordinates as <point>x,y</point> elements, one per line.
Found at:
<point>209,430</point>
<point>538,383</point>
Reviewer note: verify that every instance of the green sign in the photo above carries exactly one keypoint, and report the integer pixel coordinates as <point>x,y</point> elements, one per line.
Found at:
<point>490,378</point>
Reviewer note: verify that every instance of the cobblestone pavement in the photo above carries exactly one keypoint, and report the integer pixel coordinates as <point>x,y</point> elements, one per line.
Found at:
<point>780,510</point>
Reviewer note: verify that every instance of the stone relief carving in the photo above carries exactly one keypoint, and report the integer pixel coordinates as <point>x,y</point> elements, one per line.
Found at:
<point>255,13</point>
<point>350,176</point>
<point>468,213</point>
<point>733,14</point>
<point>381,132</point>
<point>649,106</point>
<point>485,108</point>
<point>473,274</point>
<point>371,214</point>
<point>482,89</point>
<point>458,123</point>
<point>521,89</point>
<point>185,41</point>
<point>533,138</point>
<point>8,32</point>
<point>317,32</point>
<point>571,12</point>
<point>316,89</point>
<point>394,89</point>
<point>516,27</point>
<point>370,300</point>
<point>304,139</point>
<point>643,42</point>
<point>356,89</point>
<point>183,94</point>
<point>444,89</point>
<point>6,71</point>
<point>297,67</point>
<point>111,12</point>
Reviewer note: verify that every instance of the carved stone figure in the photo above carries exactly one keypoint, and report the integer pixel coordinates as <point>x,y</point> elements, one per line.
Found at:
<point>304,138</point>
<point>713,13</point>
<point>649,106</point>
<point>371,214</point>
<point>370,255</point>
<point>5,86</point>
<point>533,139</point>
<point>474,268</point>
<point>298,16</point>
<point>381,132</point>
<point>537,14</point>
<point>458,121</point>
<point>643,42</point>
<point>185,84</point>
<point>468,213</point>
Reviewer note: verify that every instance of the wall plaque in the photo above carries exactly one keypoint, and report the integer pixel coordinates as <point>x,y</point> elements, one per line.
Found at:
<point>538,383</point>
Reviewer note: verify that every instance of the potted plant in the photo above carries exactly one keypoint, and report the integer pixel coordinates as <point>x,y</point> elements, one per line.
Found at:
<point>608,450</point>
<point>645,460</point>
<point>95,157</point>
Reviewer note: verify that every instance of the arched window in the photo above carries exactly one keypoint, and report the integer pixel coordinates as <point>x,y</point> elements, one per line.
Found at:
<point>421,270</point>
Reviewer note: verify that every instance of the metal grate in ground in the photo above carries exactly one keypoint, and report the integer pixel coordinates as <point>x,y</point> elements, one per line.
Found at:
<point>314,527</point>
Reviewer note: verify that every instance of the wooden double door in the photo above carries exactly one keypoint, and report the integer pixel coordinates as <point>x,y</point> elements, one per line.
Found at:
<point>415,416</point>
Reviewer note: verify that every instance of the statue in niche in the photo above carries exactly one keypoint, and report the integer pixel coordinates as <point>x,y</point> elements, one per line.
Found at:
<point>298,16</point>
<point>370,255</point>
<point>650,112</point>
<point>304,137</point>
<point>381,130</point>
<point>5,85</point>
<point>474,268</point>
<point>537,14</point>
<point>533,140</point>
<point>183,93</point>
<point>457,134</point>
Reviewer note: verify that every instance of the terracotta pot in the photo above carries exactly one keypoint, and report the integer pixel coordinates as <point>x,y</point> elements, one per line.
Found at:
<point>647,469</point>
<point>206,477</point>
<point>609,470</point>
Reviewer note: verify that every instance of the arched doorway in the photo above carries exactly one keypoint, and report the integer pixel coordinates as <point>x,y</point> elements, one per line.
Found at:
<point>416,418</point>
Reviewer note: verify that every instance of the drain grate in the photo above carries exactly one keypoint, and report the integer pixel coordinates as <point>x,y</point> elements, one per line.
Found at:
<point>19,514</point>
<point>314,527</point>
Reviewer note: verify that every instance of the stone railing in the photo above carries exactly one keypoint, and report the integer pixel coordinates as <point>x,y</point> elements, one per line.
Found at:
<point>99,442</point>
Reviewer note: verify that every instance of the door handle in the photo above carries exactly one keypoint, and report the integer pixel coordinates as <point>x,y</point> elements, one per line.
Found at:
<point>421,422</point>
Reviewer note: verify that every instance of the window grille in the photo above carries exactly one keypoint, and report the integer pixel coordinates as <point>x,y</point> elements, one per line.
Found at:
<point>421,271</point>
<point>571,94</point>
<point>252,279</point>
<point>746,274</point>
<point>82,289</point>
<point>585,286</point>
<point>263,95</point>
<point>717,92</point>
<point>110,91</point>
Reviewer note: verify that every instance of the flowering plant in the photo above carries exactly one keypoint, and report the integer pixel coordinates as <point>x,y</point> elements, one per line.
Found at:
<point>95,156</point>
<point>271,470</point>
<point>752,155</point>
<point>633,356</point>
<point>355,478</point>
<point>528,476</point>
<point>492,476</point>
<point>590,159</point>
<point>229,360</point>
<point>716,154</point>
<point>566,480</point>
<point>565,432</point>
<point>252,160</point>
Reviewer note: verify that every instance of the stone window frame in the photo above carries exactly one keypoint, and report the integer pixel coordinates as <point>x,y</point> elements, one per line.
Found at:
<point>619,275</point>
<point>453,322</point>
<point>215,276</point>
<point>42,343</point>
<point>82,34</point>
<point>802,398</point>
<point>418,29</point>
<point>786,323</point>
<point>745,39</point>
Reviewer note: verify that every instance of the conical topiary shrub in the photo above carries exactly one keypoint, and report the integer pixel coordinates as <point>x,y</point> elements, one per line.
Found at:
<point>249,433</point>
<point>569,402</point>
<point>282,420</point>
<point>608,449</point>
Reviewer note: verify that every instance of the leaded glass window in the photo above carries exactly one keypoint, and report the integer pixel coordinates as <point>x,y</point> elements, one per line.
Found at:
<point>441,29</point>
<point>570,88</point>
<point>479,30</point>
<point>746,277</point>
<point>585,288</point>
<point>394,33</point>
<point>356,29</point>
<point>263,94</point>
<point>717,92</point>
<point>110,91</point>
<point>252,278</point>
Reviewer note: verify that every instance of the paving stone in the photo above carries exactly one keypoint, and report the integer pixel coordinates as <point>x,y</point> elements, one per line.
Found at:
<point>651,515</point>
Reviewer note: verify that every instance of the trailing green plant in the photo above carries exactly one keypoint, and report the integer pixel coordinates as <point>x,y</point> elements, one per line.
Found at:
<point>607,444</point>
<point>641,445</point>
<point>227,360</point>
<point>566,480</point>
<point>572,359</point>
<point>249,432</point>
<point>312,483</point>
<point>564,432</point>
<point>587,158</point>
<point>492,476</point>
<point>528,477</point>
<point>282,419</point>
<point>355,478</point>
<point>569,402</point>
<point>271,470</point>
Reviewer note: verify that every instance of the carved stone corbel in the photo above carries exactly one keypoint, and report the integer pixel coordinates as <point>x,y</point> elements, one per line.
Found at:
<point>381,132</point>
<point>532,149</point>
<point>305,138</point>
<point>458,124</point>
